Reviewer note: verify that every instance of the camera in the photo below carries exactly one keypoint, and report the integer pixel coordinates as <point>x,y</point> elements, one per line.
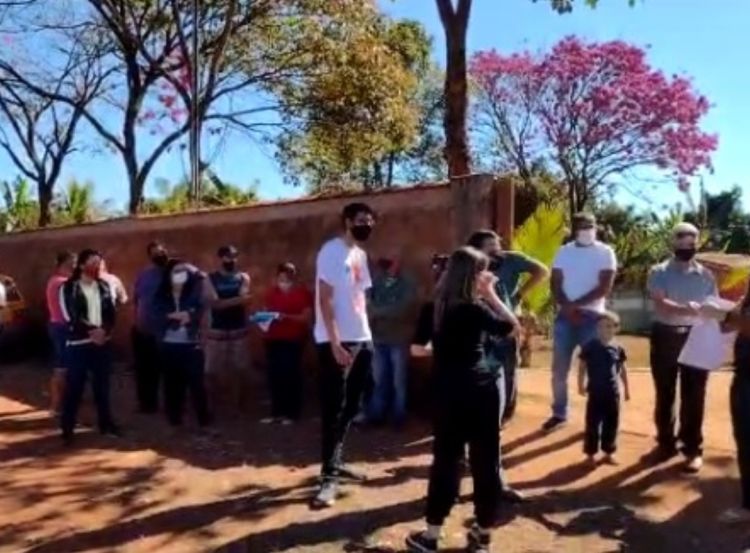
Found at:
<point>439,263</point>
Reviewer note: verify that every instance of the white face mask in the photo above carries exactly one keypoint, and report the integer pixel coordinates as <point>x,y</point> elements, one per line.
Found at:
<point>179,278</point>
<point>284,285</point>
<point>586,237</point>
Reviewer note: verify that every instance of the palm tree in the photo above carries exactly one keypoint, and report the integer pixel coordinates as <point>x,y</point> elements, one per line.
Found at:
<point>20,210</point>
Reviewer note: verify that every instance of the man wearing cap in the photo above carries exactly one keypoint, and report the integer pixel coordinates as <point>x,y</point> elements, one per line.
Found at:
<point>583,273</point>
<point>227,348</point>
<point>678,287</point>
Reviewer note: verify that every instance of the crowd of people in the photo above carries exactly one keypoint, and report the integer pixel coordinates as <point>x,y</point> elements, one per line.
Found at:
<point>191,328</point>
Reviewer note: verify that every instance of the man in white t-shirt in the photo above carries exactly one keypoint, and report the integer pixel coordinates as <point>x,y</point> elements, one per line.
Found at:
<point>583,273</point>
<point>344,341</point>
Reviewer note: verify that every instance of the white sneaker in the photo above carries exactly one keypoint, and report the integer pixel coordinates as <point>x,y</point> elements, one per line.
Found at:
<point>694,465</point>
<point>326,496</point>
<point>268,420</point>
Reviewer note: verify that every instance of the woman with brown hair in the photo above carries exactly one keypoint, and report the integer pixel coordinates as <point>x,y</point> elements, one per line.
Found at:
<point>468,315</point>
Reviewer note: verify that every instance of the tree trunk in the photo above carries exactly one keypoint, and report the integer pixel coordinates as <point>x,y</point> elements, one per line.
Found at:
<point>455,23</point>
<point>45,204</point>
<point>572,201</point>
<point>391,165</point>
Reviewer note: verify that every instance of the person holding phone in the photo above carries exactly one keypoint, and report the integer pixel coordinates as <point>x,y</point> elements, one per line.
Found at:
<point>344,341</point>
<point>467,313</point>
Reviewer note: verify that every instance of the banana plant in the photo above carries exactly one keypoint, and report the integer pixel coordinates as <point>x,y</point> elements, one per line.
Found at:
<point>540,236</point>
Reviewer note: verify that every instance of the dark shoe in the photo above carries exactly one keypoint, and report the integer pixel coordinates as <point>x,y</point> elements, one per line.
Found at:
<point>68,438</point>
<point>553,423</point>
<point>327,494</point>
<point>111,430</point>
<point>478,542</point>
<point>509,495</point>
<point>418,542</point>
<point>662,454</point>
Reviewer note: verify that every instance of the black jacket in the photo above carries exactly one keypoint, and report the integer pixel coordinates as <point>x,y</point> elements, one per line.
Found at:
<point>75,309</point>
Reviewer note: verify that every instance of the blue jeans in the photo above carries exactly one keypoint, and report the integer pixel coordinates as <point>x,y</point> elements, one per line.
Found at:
<point>567,337</point>
<point>389,383</point>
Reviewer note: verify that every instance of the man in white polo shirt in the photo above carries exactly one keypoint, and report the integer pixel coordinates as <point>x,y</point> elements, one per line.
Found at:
<point>582,277</point>
<point>344,340</point>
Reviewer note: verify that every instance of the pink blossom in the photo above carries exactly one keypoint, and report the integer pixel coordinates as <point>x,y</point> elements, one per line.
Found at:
<point>598,101</point>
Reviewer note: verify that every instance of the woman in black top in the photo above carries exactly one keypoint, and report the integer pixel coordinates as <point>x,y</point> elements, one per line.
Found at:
<point>739,399</point>
<point>468,314</point>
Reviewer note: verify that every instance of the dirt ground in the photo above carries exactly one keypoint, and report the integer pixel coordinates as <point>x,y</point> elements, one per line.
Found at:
<point>246,491</point>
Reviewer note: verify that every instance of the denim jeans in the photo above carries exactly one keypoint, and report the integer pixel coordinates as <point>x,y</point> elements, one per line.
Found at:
<point>567,336</point>
<point>389,383</point>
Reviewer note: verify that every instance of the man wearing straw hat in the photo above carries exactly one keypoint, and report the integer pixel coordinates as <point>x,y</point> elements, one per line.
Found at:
<point>678,287</point>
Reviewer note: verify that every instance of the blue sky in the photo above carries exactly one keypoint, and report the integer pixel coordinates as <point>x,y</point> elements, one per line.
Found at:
<point>684,36</point>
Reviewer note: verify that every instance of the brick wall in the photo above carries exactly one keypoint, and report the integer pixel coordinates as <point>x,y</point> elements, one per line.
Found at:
<point>423,220</point>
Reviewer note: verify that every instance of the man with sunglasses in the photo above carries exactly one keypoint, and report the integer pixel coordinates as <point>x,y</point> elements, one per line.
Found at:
<point>678,287</point>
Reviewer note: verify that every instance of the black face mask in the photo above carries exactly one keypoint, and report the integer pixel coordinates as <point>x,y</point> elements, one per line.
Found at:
<point>685,254</point>
<point>160,259</point>
<point>229,266</point>
<point>385,264</point>
<point>361,232</point>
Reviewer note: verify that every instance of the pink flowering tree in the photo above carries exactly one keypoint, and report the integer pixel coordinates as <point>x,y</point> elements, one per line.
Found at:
<point>593,113</point>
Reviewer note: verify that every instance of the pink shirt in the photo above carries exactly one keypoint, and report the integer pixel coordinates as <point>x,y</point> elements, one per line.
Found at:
<point>53,298</point>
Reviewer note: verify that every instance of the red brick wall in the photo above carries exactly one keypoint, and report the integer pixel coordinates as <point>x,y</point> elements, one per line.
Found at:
<point>420,219</point>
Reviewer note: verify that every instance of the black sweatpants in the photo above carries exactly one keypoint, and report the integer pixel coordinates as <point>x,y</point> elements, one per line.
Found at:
<point>466,413</point>
<point>184,373</point>
<point>666,344</point>
<point>341,390</point>
<point>147,370</point>
<point>285,378</point>
<point>602,423</point>
<point>739,398</point>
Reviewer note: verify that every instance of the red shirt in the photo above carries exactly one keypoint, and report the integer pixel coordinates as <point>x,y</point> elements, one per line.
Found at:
<point>294,302</point>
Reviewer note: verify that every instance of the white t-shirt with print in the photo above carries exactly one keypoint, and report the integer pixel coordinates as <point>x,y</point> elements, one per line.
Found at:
<point>345,269</point>
<point>581,266</point>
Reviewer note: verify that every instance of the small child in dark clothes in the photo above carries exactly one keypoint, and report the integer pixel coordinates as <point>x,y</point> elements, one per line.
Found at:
<point>601,369</point>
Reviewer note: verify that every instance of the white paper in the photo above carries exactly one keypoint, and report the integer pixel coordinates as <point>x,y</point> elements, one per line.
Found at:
<point>707,347</point>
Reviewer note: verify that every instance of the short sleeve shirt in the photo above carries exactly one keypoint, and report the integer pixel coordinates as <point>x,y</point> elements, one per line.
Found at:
<point>604,364</point>
<point>695,283</point>
<point>345,269</point>
<point>581,267</point>
<point>513,265</point>
<point>146,285</point>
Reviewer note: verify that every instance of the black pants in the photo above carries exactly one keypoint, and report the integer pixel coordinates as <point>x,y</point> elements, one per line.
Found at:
<point>285,378</point>
<point>341,392</point>
<point>147,370</point>
<point>465,414</point>
<point>82,360</point>
<point>739,397</point>
<point>183,373</point>
<point>510,364</point>
<point>666,345</point>
<point>602,423</point>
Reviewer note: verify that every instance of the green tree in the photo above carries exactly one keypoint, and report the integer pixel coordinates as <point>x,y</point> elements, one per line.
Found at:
<point>20,210</point>
<point>360,117</point>
<point>175,198</point>
<point>566,6</point>
<point>722,217</point>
